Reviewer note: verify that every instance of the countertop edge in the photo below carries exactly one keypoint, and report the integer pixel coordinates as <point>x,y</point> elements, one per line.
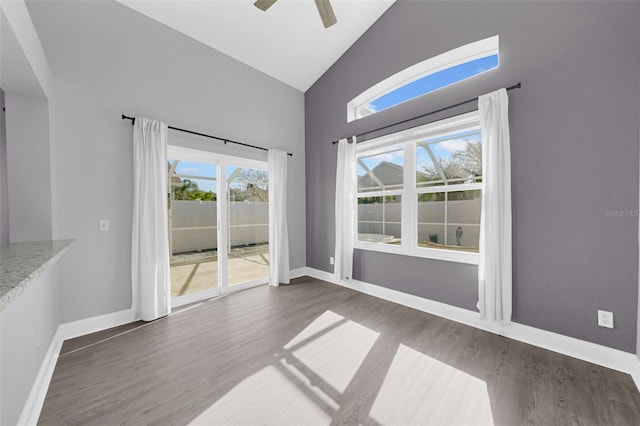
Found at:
<point>19,288</point>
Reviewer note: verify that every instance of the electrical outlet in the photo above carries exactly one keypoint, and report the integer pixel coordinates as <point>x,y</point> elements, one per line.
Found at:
<point>331,260</point>
<point>104,224</point>
<point>605,319</point>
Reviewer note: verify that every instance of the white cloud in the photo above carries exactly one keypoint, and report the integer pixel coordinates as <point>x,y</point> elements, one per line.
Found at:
<point>390,157</point>
<point>453,145</point>
<point>190,171</point>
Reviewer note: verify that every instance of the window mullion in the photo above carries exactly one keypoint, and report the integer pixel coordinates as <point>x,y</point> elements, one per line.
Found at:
<point>379,193</point>
<point>223,229</point>
<point>409,206</point>
<point>449,188</point>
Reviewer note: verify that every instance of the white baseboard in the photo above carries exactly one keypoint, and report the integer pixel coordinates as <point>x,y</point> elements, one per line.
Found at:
<point>86,326</point>
<point>635,372</point>
<point>591,352</point>
<point>299,272</point>
<point>35,400</point>
<point>587,351</point>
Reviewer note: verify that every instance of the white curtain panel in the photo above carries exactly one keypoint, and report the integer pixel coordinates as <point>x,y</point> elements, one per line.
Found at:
<point>150,237</point>
<point>494,269</point>
<point>345,209</point>
<point>278,233</point>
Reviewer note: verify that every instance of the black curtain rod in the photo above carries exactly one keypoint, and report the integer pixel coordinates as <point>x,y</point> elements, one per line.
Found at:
<point>133,119</point>
<point>515,86</point>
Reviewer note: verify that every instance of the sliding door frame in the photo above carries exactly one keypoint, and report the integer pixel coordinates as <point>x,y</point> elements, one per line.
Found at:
<point>221,162</point>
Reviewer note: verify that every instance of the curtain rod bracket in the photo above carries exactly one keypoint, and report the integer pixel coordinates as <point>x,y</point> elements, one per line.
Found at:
<point>133,119</point>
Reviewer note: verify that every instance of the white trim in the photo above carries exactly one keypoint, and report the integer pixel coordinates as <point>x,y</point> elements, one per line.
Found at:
<point>198,156</point>
<point>591,352</point>
<point>73,329</point>
<point>587,351</point>
<point>195,297</point>
<point>475,186</point>
<point>35,400</point>
<point>423,252</point>
<point>299,272</point>
<point>635,372</point>
<point>444,127</point>
<point>247,284</point>
<point>460,55</point>
<point>215,292</point>
<point>407,140</point>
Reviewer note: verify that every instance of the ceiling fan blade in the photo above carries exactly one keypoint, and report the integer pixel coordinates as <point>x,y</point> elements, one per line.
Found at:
<point>326,13</point>
<point>264,4</point>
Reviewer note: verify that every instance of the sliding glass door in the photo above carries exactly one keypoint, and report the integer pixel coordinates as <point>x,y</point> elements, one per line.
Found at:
<point>218,223</point>
<point>193,230</point>
<point>247,224</point>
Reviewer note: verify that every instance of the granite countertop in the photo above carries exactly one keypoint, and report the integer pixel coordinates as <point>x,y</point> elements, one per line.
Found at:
<point>22,263</point>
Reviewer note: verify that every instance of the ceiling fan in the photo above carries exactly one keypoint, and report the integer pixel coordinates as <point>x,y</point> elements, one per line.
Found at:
<point>324,9</point>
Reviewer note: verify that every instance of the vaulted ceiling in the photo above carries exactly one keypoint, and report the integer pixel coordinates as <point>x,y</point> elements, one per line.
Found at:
<point>287,42</point>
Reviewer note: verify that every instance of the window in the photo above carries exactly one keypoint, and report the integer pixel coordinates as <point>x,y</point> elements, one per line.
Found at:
<point>425,77</point>
<point>420,191</point>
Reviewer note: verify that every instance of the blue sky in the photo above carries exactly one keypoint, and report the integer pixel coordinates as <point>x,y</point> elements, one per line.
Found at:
<point>434,82</point>
<point>198,169</point>
<point>202,169</point>
<point>444,147</point>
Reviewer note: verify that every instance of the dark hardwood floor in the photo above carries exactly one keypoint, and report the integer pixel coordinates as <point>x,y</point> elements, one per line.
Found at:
<point>315,353</point>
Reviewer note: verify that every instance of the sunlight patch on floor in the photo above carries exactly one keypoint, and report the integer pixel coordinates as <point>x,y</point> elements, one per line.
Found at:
<point>420,390</point>
<point>334,354</point>
<point>324,321</point>
<point>317,392</point>
<point>264,398</point>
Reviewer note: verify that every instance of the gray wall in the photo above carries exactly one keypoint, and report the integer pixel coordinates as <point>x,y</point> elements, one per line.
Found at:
<point>28,324</point>
<point>27,327</point>
<point>108,60</point>
<point>574,134</point>
<point>4,183</point>
<point>29,168</point>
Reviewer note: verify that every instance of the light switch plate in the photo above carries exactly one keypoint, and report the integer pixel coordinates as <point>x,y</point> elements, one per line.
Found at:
<point>104,224</point>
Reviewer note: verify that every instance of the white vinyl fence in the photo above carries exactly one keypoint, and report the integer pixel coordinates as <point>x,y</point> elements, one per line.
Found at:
<point>433,224</point>
<point>194,224</point>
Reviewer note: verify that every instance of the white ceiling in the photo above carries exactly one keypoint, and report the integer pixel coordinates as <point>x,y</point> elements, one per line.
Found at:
<point>287,42</point>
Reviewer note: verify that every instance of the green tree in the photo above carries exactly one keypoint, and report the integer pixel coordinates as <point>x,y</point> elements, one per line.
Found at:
<point>463,165</point>
<point>250,185</point>
<point>190,191</point>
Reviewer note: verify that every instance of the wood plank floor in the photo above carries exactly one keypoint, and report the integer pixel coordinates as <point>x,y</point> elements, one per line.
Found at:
<point>313,353</point>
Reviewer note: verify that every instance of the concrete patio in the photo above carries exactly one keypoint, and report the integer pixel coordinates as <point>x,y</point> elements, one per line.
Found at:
<point>198,271</point>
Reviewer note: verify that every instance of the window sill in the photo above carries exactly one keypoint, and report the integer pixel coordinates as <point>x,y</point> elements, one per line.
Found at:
<point>427,253</point>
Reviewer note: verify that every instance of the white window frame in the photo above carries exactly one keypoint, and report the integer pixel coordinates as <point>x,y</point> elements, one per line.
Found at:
<point>460,55</point>
<point>409,202</point>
